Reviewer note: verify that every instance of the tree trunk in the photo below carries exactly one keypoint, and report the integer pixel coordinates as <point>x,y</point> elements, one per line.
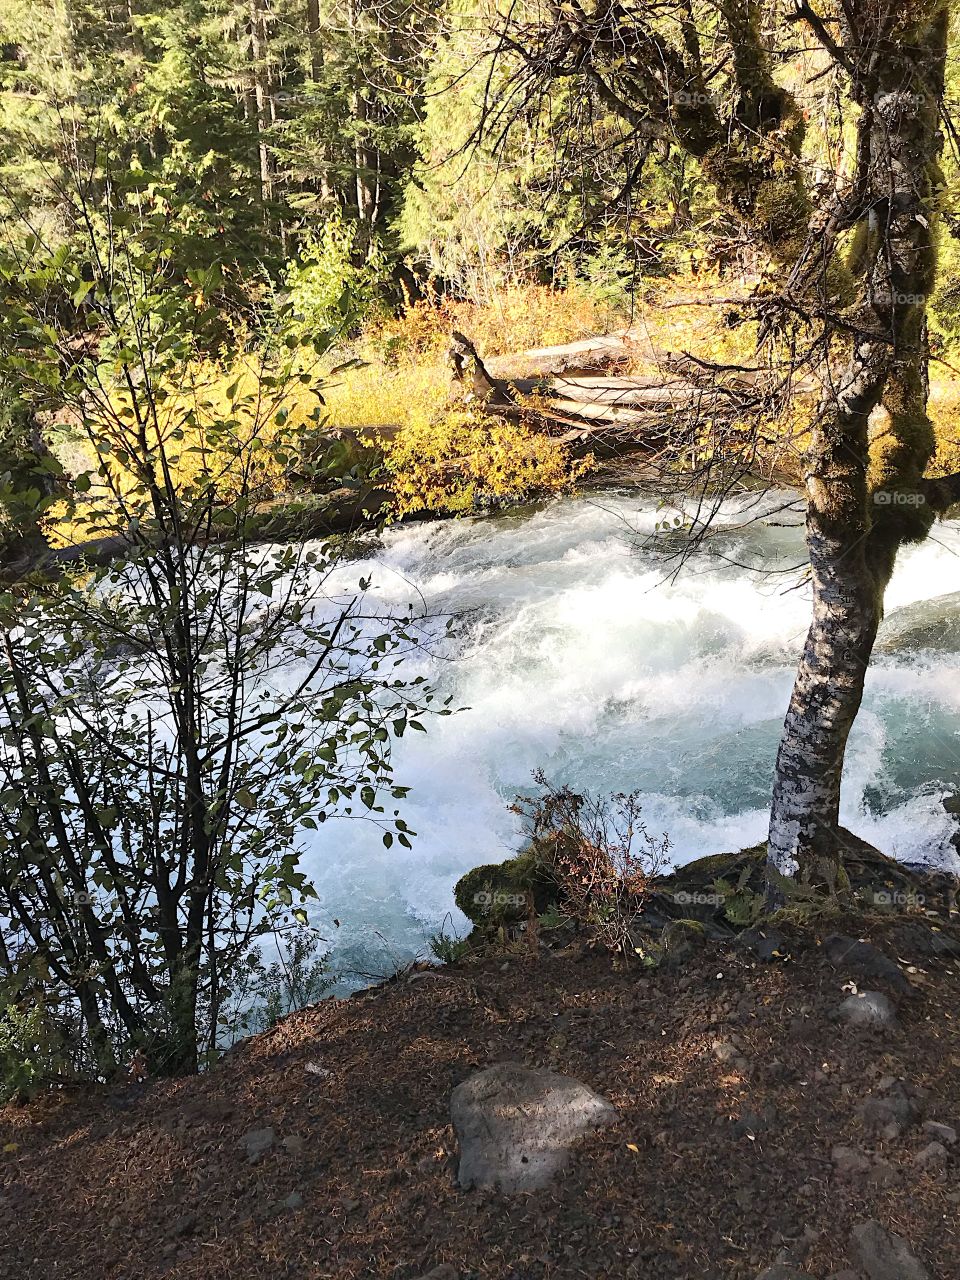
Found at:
<point>258,66</point>
<point>865,501</point>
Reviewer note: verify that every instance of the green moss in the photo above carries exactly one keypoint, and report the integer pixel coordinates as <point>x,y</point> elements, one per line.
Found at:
<point>705,870</point>
<point>781,214</point>
<point>500,892</point>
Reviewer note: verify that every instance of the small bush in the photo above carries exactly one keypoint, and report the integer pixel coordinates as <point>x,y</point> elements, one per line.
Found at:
<point>335,283</point>
<point>265,993</point>
<point>448,948</point>
<point>465,459</point>
<point>600,854</point>
<point>33,1053</point>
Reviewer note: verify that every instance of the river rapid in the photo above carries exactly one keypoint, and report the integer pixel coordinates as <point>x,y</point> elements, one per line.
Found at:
<point>579,647</point>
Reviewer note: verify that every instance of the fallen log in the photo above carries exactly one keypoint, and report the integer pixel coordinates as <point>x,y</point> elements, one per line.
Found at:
<point>576,387</point>
<point>601,352</point>
<point>342,512</point>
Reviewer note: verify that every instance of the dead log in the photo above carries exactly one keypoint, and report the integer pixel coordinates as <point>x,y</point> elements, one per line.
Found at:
<point>577,388</point>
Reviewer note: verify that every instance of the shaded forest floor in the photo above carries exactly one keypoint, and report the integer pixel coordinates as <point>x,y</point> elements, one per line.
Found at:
<point>733,1081</point>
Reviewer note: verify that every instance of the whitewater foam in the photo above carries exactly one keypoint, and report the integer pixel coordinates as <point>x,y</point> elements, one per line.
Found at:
<point>577,650</point>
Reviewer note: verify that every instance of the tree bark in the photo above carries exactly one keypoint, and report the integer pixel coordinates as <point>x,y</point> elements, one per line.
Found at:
<point>866,500</point>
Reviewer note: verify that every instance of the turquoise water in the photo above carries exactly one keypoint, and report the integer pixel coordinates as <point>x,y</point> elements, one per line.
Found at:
<point>577,650</point>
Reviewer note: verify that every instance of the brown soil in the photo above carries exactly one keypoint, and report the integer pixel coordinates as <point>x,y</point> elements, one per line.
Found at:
<point>153,1180</point>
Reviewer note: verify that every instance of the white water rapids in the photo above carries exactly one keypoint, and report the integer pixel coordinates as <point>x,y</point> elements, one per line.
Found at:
<point>576,652</point>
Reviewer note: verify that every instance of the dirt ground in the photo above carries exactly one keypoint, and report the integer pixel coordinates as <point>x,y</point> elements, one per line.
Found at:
<point>733,1081</point>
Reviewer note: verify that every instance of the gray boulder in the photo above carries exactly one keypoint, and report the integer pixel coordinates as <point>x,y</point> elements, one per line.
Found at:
<point>516,1125</point>
<point>884,1256</point>
<point>864,959</point>
<point>257,1142</point>
<point>869,1009</point>
<point>945,1133</point>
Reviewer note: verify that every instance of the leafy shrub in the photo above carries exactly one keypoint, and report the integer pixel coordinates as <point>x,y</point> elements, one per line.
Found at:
<point>33,1053</point>
<point>335,284</point>
<point>464,458</point>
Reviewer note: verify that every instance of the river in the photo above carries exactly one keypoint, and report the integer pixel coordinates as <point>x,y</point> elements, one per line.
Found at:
<point>580,648</point>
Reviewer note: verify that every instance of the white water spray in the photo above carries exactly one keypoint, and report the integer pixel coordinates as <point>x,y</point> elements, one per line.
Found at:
<point>576,653</point>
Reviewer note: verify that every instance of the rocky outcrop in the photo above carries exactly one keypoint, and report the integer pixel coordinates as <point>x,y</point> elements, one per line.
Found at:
<point>516,1125</point>
<point>884,1256</point>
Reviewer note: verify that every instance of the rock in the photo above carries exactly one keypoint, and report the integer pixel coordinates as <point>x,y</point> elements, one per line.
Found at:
<point>869,1009</point>
<point>766,944</point>
<point>752,1122</point>
<point>293,1201</point>
<point>680,940</point>
<point>926,940</point>
<point>932,1157</point>
<point>883,1174</point>
<point>797,1249</point>
<point>724,1051</point>
<point>880,1114</point>
<point>444,1272</point>
<point>292,1144</point>
<point>884,1256</point>
<point>500,892</point>
<point>516,1125</point>
<point>784,1271</point>
<point>941,1132</point>
<point>845,1275</point>
<point>849,1162</point>
<point>863,958</point>
<point>257,1143</point>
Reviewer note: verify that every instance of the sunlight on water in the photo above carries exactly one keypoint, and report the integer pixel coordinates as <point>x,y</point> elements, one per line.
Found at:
<point>576,651</point>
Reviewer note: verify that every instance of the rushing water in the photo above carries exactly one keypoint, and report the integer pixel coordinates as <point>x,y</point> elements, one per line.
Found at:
<point>577,649</point>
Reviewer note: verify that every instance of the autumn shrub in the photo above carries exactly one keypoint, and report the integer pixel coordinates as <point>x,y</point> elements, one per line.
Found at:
<point>598,852</point>
<point>465,458</point>
<point>230,423</point>
<point>518,317</point>
<point>440,455</point>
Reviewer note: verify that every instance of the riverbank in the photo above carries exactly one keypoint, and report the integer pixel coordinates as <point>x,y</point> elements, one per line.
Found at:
<point>747,1129</point>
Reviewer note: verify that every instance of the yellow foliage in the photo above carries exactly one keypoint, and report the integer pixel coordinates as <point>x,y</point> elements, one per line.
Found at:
<point>519,317</point>
<point>222,426</point>
<point>463,457</point>
<point>438,455</point>
<point>944,409</point>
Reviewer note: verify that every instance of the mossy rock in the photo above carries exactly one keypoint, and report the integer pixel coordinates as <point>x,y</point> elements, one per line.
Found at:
<point>679,941</point>
<point>503,892</point>
<point>698,879</point>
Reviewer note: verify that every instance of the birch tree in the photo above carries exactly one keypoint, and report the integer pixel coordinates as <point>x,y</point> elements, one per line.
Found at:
<point>852,256</point>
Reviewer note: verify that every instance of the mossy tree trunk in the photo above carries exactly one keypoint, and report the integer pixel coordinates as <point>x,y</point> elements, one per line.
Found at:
<point>867,493</point>
<point>866,498</point>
